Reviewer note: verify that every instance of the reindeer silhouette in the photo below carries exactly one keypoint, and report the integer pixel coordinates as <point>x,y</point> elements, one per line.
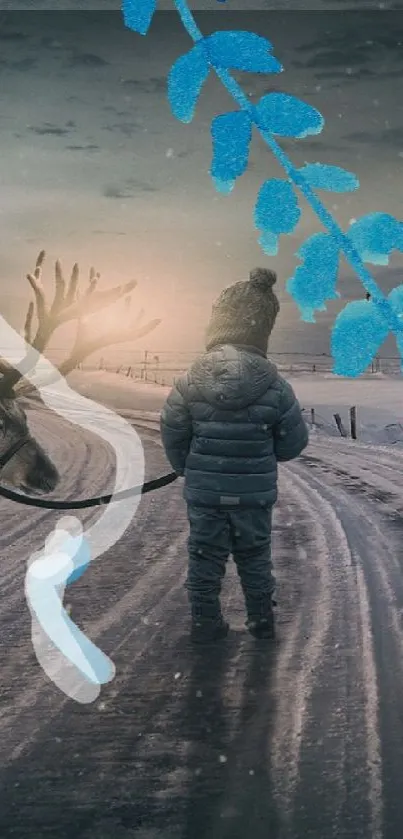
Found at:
<point>23,462</point>
<point>80,666</point>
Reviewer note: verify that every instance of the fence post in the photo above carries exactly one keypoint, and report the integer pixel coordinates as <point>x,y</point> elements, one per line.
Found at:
<point>353,422</point>
<point>312,416</point>
<point>145,364</point>
<point>157,361</point>
<point>340,425</point>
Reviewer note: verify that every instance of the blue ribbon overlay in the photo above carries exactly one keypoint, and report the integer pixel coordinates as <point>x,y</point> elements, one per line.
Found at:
<point>46,577</point>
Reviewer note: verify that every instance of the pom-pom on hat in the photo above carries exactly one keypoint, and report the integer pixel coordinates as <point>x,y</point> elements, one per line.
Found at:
<point>245,312</point>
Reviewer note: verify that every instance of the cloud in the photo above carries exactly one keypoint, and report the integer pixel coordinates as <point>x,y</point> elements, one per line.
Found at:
<point>153,84</point>
<point>346,78</point>
<point>347,57</point>
<point>12,35</point>
<point>49,128</point>
<point>129,190</point>
<point>340,54</point>
<point>88,147</point>
<point>87,60</point>
<point>24,65</point>
<point>391,137</point>
<point>128,129</point>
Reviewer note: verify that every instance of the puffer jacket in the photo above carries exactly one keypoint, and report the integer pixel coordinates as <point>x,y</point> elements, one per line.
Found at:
<point>226,424</point>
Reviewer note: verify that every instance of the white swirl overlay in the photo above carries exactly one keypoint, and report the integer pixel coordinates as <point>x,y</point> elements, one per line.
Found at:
<point>64,652</point>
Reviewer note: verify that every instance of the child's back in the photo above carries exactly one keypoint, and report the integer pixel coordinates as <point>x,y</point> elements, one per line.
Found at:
<point>245,419</point>
<point>225,425</point>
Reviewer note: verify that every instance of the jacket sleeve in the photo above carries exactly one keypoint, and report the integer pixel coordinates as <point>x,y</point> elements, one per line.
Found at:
<point>176,427</point>
<point>290,431</point>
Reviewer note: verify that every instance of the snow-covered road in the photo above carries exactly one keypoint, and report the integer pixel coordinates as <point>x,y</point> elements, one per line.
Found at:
<point>304,739</point>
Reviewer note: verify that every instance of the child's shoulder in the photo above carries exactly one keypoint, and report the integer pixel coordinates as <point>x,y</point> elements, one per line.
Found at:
<point>280,388</point>
<point>182,382</point>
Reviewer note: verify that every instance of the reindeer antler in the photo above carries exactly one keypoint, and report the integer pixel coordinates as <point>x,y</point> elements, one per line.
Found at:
<point>85,345</point>
<point>68,305</point>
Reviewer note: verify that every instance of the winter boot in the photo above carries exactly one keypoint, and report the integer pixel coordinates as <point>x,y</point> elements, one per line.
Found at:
<point>263,628</point>
<point>205,632</point>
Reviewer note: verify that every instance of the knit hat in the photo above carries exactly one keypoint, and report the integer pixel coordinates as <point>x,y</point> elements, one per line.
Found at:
<point>245,312</point>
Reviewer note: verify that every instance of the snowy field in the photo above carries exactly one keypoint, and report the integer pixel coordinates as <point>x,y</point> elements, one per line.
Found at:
<point>378,399</point>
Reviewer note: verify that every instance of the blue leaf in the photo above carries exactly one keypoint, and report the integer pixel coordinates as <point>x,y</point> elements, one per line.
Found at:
<point>241,51</point>
<point>138,14</point>
<point>396,301</point>
<point>375,236</point>
<point>185,81</point>
<point>287,116</point>
<point>269,243</point>
<point>358,333</point>
<point>314,282</point>
<point>321,176</point>
<point>399,341</point>
<point>231,135</point>
<point>225,187</point>
<point>276,209</point>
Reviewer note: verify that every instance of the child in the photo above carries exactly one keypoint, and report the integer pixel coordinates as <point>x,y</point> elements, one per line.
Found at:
<point>224,426</point>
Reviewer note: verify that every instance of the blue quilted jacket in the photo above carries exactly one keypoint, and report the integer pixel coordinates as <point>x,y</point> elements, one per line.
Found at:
<point>226,424</point>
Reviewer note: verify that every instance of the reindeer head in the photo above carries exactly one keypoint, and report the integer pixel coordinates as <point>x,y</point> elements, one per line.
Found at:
<point>23,462</point>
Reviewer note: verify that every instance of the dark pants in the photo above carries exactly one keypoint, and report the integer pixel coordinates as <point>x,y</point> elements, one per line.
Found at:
<point>214,535</point>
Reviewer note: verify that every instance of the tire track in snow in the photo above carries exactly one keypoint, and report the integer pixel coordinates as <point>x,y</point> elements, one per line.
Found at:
<point>373,515</point>
<point>295,667</point>
<point>379,585</point>
<point>373,472</point>
<point>142,630</point>
<point>374,752</point>
<point>142,600</point>
<point>136,615</point>
<point>302,675</point>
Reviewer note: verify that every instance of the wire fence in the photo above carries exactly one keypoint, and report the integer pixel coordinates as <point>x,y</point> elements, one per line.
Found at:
<point>164,366</point>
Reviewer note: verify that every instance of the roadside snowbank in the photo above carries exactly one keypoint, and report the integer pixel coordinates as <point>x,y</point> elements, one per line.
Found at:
<point>379,404</point>
<point>118,391</point>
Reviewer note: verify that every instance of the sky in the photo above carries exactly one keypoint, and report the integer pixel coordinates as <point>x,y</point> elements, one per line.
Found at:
<point>95,168</point>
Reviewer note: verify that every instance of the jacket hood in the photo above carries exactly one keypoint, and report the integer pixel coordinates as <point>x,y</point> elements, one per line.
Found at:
<point>232,378</point>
